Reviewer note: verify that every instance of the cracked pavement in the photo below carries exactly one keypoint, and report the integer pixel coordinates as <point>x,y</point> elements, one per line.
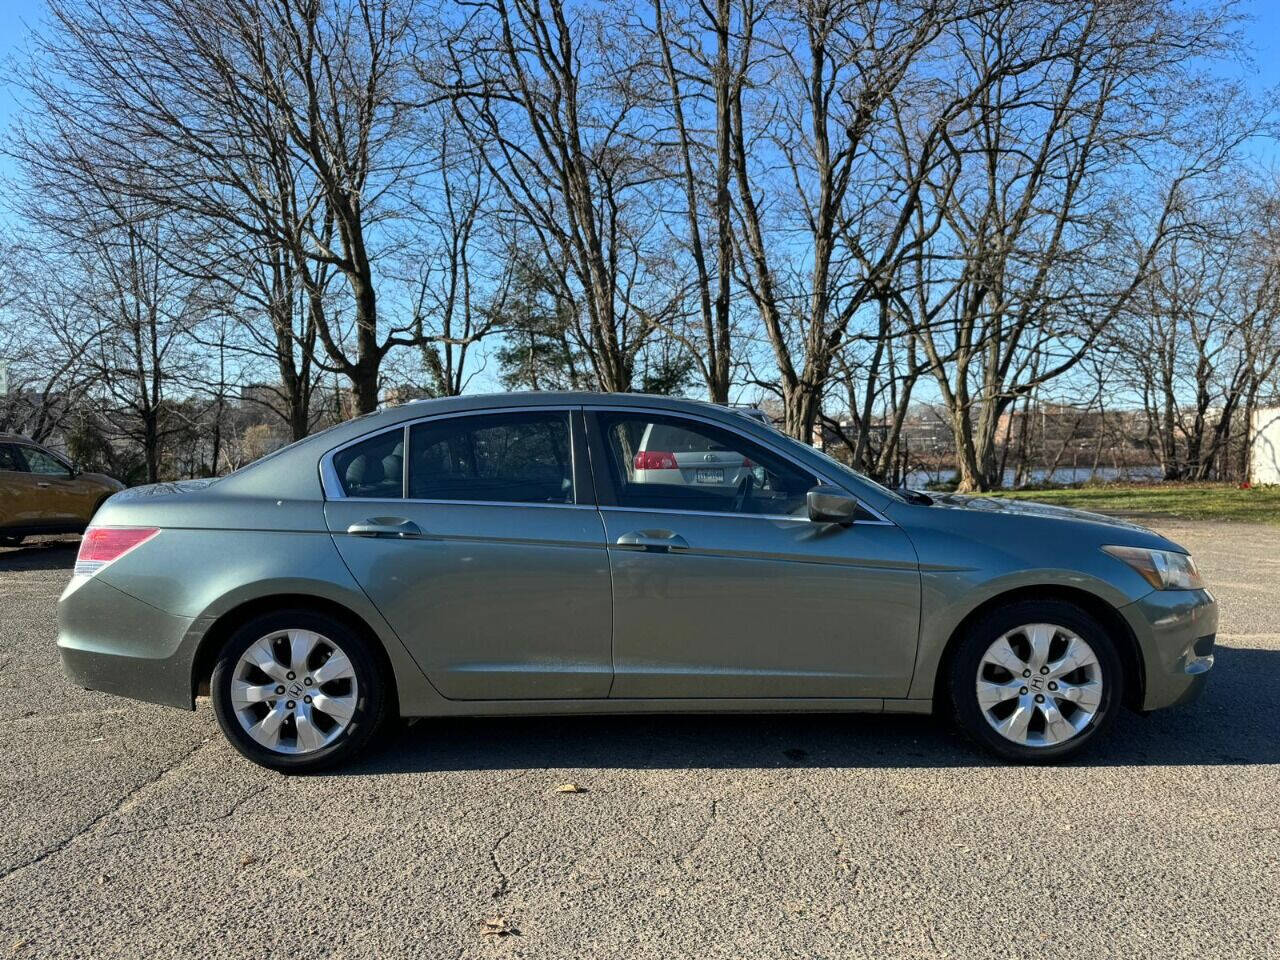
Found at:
<point>134,830</point>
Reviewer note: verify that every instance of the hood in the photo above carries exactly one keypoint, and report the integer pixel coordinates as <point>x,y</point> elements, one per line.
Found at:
<point>1030,508</point>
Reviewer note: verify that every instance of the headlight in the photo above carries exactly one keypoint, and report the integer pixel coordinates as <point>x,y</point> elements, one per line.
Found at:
<point>1163,569</point>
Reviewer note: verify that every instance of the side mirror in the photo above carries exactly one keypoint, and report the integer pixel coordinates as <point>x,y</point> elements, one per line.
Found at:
<point>831,505</point>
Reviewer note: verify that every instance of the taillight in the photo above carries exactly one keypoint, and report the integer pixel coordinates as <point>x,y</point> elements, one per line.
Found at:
<point>656,460</point>
<point>102,545</point>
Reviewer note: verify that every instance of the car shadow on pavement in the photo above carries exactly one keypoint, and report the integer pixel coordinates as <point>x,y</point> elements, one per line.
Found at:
<point>1220,728</point>
<point>40,555</point>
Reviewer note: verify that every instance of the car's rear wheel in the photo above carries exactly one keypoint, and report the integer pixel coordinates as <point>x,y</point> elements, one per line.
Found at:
<point>1036,680</point>
<point>298,691</point>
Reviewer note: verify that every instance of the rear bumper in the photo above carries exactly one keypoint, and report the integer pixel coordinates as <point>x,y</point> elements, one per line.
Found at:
<point>1175,631</point>
<point>113,642</point>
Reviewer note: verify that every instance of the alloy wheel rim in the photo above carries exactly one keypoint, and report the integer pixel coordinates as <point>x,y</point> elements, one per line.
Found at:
<point>294,691</point>
<point>1039,685</point>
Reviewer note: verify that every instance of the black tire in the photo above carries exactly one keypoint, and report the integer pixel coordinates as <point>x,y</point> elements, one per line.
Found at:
<point>11,541</point>
<point>966,662</point>
<point>373,694</point>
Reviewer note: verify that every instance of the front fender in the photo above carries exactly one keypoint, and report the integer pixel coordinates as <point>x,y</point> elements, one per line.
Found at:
<point>948,597</point>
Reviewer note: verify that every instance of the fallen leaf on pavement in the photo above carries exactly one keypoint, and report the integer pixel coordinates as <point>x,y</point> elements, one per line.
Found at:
<point>499,927</point>
<point>570,788</point>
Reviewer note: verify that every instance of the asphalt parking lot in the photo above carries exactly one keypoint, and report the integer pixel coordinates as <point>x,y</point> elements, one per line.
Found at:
<point>132,830</point>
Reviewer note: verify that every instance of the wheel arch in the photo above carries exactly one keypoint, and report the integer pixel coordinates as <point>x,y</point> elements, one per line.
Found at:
<point>232,619</point>
<point>1095,606</point>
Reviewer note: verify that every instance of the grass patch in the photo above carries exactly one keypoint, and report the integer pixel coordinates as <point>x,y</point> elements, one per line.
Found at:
<point>1189,501</point>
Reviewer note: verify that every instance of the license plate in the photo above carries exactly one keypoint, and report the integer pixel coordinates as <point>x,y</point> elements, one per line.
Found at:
<point>709,475</point>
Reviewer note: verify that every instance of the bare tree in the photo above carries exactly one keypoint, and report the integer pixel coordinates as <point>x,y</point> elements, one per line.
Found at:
<point>282,121</point>
<point>45,343</point>
<point>1029,263</point>
<point>821,114</point>
<point>698,83</point>
<point>554,95</point>
<point>463,259</point>
<point>1203,335</point>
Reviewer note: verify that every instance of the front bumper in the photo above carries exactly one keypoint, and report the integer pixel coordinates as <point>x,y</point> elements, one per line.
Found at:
<point>116,643</point>
<point>1175,631</point>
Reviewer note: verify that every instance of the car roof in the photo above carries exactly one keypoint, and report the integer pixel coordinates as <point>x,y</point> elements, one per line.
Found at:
<point>16,438</point>
<point>556,397</point>
<point>291,470</point>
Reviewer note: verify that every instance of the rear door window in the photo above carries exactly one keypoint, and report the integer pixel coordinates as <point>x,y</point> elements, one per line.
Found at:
<point>9,459</point>
<point>524,457</point>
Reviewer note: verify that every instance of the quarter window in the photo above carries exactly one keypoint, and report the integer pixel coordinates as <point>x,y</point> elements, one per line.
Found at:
<point>373,467</point>
<point>668,463</point>
<point>508,458</point>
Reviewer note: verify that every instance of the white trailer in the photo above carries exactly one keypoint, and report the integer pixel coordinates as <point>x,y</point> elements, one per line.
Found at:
<point>1264,454</point>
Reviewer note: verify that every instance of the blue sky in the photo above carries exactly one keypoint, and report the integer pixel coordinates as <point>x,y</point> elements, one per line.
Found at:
<point>1263,34</point>
<point>1262,75</point>
<point>14,16</point>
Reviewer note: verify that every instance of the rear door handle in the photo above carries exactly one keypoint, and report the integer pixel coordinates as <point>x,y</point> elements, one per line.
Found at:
<point>653,540</point>
<point>397,527</point>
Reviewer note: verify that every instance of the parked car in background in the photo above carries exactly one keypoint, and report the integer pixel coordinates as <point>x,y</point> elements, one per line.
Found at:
<point>520,554</point>
<point>42,492</point>
<point>670,454</point>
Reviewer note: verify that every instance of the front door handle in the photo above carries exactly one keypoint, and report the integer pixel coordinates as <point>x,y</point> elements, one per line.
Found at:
<point>397,527</point>
<point>653,540</point>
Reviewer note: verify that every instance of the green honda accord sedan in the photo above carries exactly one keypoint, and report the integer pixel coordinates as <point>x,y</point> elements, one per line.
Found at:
<point>583,553</point>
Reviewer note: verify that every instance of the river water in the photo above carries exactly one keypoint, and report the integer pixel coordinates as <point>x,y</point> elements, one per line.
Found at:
<point>917,479</point>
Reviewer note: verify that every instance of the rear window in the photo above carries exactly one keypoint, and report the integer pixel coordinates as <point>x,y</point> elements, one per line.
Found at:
<point>672,439</point>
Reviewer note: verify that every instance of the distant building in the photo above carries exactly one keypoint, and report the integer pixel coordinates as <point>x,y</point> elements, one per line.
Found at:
<point>402,393</point>
<point>264,394</point>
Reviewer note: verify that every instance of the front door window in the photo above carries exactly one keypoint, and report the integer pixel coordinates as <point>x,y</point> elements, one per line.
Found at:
<point>44,463</point>
<point>659,462</point>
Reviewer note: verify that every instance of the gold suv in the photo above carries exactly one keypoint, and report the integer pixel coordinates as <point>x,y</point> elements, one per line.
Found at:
<point>40,492</point>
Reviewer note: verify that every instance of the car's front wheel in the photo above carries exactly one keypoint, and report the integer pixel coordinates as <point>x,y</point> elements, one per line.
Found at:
<point>298,691</point>
<point>1036,680</point>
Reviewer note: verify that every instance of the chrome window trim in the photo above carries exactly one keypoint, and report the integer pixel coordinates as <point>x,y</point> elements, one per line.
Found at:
<point>880,519</point>
<point>472,503</point>
<point>332,486</point>
<point>715,513</point>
